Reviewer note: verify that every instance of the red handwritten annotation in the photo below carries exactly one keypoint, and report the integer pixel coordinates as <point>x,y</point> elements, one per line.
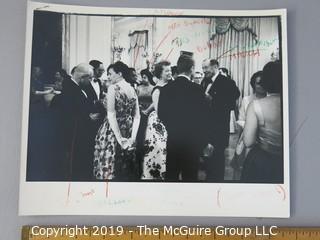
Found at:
<point>87,194</point>
<point>189,23</point>
<point>209,45</point>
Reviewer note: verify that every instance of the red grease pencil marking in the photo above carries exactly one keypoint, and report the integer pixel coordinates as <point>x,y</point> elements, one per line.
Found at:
<point>283,191</point>
<point>218,198</point>
<point>107,189</point>
<point>162,40</point>
<point>87,194</point>
<point>169,53</point>
<point>107,185</point>
<point>68,193</point>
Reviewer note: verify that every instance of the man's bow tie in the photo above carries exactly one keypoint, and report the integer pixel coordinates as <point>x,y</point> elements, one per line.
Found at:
<point>96,80</point>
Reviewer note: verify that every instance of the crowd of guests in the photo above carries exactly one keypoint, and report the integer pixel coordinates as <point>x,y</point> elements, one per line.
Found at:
<point>162,124</point>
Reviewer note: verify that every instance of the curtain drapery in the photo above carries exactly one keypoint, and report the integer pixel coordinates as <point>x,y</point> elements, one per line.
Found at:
<point>240,46</point>
<point>138,45</point>
<point>222,25</point>
<point>85,38</point>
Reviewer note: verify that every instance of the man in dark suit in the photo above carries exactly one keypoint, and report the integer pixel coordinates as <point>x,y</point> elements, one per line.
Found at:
<point>95,93</point>
<point>221,93</point>
<point>184,112</point>
<point>225,72</point>
<point>78,123</point>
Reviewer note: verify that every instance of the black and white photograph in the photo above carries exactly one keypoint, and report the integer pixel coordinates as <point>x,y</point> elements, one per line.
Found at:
<point>159,101</point>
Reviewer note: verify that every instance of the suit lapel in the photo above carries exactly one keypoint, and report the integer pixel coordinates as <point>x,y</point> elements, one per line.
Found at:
<point>216,84</point>
<point>100,90</point>
<point>91,93</point>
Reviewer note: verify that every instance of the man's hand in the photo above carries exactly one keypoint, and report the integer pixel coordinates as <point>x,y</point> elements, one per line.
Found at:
<point>145,112</point>
<point>94,116</point>
<point>208,97</point>
<point>208,151</point>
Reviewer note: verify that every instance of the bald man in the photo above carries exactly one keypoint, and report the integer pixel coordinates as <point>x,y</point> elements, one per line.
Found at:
<point>78,124</point>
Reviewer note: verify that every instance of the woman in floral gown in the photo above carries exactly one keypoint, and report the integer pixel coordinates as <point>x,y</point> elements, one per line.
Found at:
<point>154,163</point>
<point>114,155</point>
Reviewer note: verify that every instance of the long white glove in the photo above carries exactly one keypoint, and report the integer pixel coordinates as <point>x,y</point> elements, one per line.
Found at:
<point>112,118</point>
<point>136,123</point>
<point>114,126</point>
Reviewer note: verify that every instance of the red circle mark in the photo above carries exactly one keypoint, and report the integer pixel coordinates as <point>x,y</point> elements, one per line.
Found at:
<point>283,191</point>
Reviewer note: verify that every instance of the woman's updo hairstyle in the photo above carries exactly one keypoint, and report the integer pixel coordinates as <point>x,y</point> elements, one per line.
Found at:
<point>158,68</point>
<point>272,77</point>
<point>121,67</point>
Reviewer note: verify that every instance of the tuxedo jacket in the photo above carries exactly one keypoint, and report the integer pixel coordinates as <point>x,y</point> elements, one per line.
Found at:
<point>95,105</point>
<point>224,93</point>
<point>183,110</point>
<point>78,131</point>
<point>91,92</point>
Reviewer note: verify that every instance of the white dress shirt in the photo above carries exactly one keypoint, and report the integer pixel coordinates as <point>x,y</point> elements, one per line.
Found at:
<point>210,84</point>
<point>96,87</point>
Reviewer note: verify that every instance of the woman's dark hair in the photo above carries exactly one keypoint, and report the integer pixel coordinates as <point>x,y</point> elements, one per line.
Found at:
<point>158,68</point>
<point>62,72</point>
<point>224,70</point>
<point>123,68</point>
<point>214,62</point>
<point>272,77</point>
<point>185,64</point>
<point>73,70</point>
<point>149,75</point>
<point>254,78</point>
<point>132,76</point>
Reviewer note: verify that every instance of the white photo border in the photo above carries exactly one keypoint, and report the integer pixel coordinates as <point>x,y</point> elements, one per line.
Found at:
<point>162,199</point>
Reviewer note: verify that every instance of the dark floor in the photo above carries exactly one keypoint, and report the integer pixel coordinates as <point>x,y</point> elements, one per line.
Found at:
<point>229,173</point>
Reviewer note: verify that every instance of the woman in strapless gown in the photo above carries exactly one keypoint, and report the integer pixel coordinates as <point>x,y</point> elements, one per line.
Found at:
<point>263,131</point>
